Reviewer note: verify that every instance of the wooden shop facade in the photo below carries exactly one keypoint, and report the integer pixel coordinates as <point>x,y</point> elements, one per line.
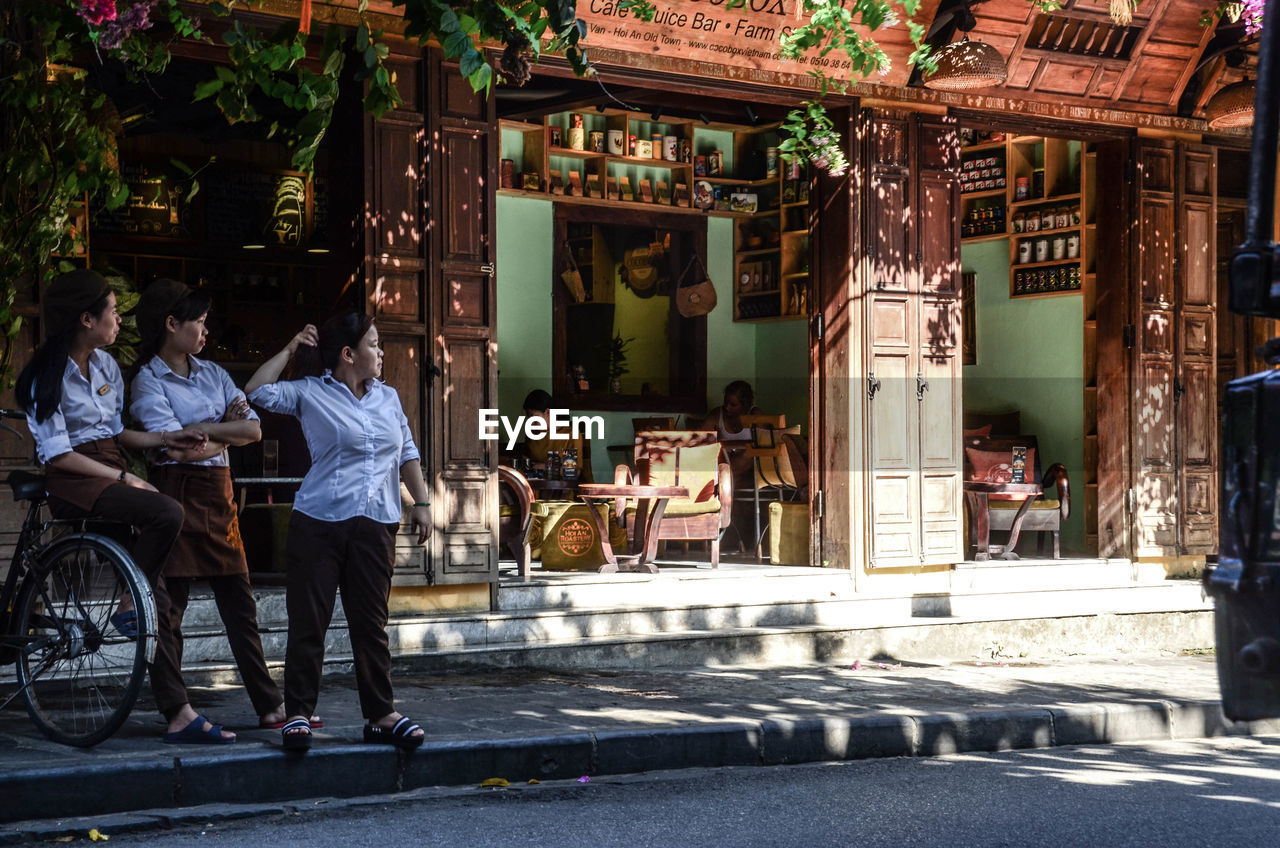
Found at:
<point>879,310</point>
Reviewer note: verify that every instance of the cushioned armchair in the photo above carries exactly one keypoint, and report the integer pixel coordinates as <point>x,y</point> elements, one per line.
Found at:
<point>997,461</point>
<point>688,458</point>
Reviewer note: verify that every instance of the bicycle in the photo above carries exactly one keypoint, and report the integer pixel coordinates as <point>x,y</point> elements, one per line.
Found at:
<point>78,675</point>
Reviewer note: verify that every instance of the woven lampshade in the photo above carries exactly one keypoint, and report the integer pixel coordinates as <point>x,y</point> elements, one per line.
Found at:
<point>966,64</point>
<point>1232,106</point>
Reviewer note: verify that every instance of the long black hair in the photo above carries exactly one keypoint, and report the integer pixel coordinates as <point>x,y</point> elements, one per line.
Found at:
<point>40,383</point>
<point>345,330</point>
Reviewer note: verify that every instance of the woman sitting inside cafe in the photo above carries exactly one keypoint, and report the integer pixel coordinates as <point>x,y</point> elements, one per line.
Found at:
<point>537,404</point>
<point>735,437</point>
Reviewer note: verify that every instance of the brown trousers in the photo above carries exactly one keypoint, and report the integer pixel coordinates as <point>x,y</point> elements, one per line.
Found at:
<point>354,556</point>
<point>239,612</point>
<point>158,519</point>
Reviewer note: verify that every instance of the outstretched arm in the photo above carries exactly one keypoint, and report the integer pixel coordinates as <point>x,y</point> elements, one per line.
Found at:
<point>271,370</point>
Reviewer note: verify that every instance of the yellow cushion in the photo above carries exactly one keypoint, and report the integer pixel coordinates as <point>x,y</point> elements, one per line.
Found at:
<point>684,506</point>
<point>1047,503</point>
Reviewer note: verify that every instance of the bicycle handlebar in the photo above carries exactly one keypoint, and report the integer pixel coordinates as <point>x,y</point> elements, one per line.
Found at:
<point>13,413</point>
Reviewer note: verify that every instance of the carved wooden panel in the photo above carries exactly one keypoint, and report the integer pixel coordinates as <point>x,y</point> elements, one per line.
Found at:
<point>465,365</point>
<point>939,146</point>
<point>1155,418</point>
<point>396,291</point>
<point>1155,168</point>
<point>939,236</point>
<point>890,232</point>
<point>465,232</point>
<point>402,368</point>
<point>889,142</point>
<point>1197,333</point>
<point>1155,267</point>
<point>457,100</point>
<point>466,299</point>
<point>407,78</point>
<point>398,213</point>
<point>1196,243</point>
<point>1198,173</point>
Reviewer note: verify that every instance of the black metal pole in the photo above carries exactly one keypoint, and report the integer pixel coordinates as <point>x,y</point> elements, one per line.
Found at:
<point>1262,165</point>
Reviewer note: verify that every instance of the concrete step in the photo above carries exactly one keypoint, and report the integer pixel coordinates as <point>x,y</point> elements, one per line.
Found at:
<point>1022,575</point>
<point>472,636</point>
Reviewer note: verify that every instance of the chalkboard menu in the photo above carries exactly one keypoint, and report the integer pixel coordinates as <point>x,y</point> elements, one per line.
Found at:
<point>245,207</point>
<point>157,204</point>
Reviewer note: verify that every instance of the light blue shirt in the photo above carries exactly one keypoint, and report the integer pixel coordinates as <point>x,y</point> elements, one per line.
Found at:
<point>357,446</point>
<point>90,409</point>
<point>164,400</point>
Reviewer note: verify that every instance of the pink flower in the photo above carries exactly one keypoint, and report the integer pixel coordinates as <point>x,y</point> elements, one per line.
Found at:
<point>1252,17</point>
<point>97,12</point>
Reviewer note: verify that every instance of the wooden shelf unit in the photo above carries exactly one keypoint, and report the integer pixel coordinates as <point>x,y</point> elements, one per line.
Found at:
<point>771,244</point>
<point>1069,181</point>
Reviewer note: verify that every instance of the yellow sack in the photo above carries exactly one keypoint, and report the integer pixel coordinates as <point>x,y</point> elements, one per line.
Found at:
<point>564,537</point>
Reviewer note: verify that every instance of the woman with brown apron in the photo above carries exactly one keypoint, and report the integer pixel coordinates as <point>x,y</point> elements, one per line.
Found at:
<point>73,394</point>
<point>174,389</point>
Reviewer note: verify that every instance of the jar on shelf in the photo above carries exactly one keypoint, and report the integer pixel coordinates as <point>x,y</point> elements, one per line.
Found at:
<point>1062,218</point>
<point>1059,248</point>
<point>1025,251</point>
<point>1042,250</point>
<point>1046,218</point>
<point>1019,222</point>
<point>1075,217</point>
<point>1032,224</point>
<point>1022,188</point>
<point>1073,246</point>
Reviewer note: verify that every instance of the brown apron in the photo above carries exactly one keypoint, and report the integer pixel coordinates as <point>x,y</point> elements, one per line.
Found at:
<point>80,490</point>
<point>209,544</point>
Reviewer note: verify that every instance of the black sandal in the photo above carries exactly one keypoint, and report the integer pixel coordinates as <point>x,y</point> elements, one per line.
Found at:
<point>296,735</point>
<point>400,735</point>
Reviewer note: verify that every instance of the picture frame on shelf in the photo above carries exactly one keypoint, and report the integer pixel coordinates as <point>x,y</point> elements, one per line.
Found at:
<point>531,181</point>
<point>703,196</point>
<point>744,202</point>
<point>681,195</point>
<point>624,189</point>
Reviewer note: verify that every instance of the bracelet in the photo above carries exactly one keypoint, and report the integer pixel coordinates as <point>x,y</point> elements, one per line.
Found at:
<point>123,473</point>
<point>422,503</point>
<point>163,443</point>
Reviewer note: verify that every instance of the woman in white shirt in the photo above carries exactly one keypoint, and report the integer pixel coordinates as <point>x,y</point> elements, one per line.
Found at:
<point>174,389</point>
<point>345,516</point>
<point>73,394</point>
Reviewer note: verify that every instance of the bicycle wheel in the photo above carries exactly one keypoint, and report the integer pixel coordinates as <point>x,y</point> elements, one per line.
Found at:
<point>80,675</point>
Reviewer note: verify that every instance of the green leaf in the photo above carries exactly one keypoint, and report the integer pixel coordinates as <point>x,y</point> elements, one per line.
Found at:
<point>362,36</point>
<point>470,63</point>
<point>225,74</point>
<point>207,89</point>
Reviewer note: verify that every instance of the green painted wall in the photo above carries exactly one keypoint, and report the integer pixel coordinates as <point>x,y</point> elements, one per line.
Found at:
<point>1030,358</point>
<point>525,328</point>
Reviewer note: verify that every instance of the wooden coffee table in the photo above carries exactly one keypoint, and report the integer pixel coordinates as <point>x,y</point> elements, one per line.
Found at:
<point>644,545</point>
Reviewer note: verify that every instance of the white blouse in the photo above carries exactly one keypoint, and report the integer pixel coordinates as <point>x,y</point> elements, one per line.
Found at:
<point>357,446</point>
<point>164,400</point>
<point>90,409</point>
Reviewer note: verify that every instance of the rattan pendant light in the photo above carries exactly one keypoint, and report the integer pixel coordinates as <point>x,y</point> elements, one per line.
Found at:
<point>1231,106</point>
<point>966,64</point>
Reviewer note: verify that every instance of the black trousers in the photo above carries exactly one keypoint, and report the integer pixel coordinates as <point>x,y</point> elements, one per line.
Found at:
<point>356,557</point>
<point>239,612</point>
<point>158,519</point>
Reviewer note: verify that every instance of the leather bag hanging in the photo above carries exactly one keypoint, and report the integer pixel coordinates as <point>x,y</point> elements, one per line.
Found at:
<point>696,294</point>
<point>573,277</point>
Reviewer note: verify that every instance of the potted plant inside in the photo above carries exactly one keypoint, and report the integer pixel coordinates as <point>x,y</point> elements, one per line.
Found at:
<point>618,362</point>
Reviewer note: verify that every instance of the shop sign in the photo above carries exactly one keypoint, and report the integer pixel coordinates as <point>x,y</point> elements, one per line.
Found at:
<point>691,32</point>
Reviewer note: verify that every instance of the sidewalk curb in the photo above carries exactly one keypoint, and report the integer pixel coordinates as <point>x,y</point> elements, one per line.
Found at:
<point>265,778</point>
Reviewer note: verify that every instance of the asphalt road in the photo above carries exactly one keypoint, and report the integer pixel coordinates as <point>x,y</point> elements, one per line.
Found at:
<point>1202,793</point>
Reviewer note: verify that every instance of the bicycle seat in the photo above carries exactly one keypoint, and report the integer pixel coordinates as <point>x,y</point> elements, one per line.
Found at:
<point>26,486</point>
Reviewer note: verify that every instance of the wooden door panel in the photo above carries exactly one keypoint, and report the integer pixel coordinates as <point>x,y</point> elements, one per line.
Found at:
<point>1156,244</point>
<point>893,412</point>
<point>896,521</point>
<point>939,231</point>
<point>398,216</point>
<point>465,192</point>
<point>397,291</point>
<point>402,368</point>
<point>890,325</point>
<point>463,327</point>
<point>1155,414</point>
<point>890,233</point>
<point>1157,332</point>
<point>1157,514</point>
<point>1196,241</point>
<point>940,414</point>
<point>1197,425</point>
<point>1155,168</point>
<point>1197,332</point>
